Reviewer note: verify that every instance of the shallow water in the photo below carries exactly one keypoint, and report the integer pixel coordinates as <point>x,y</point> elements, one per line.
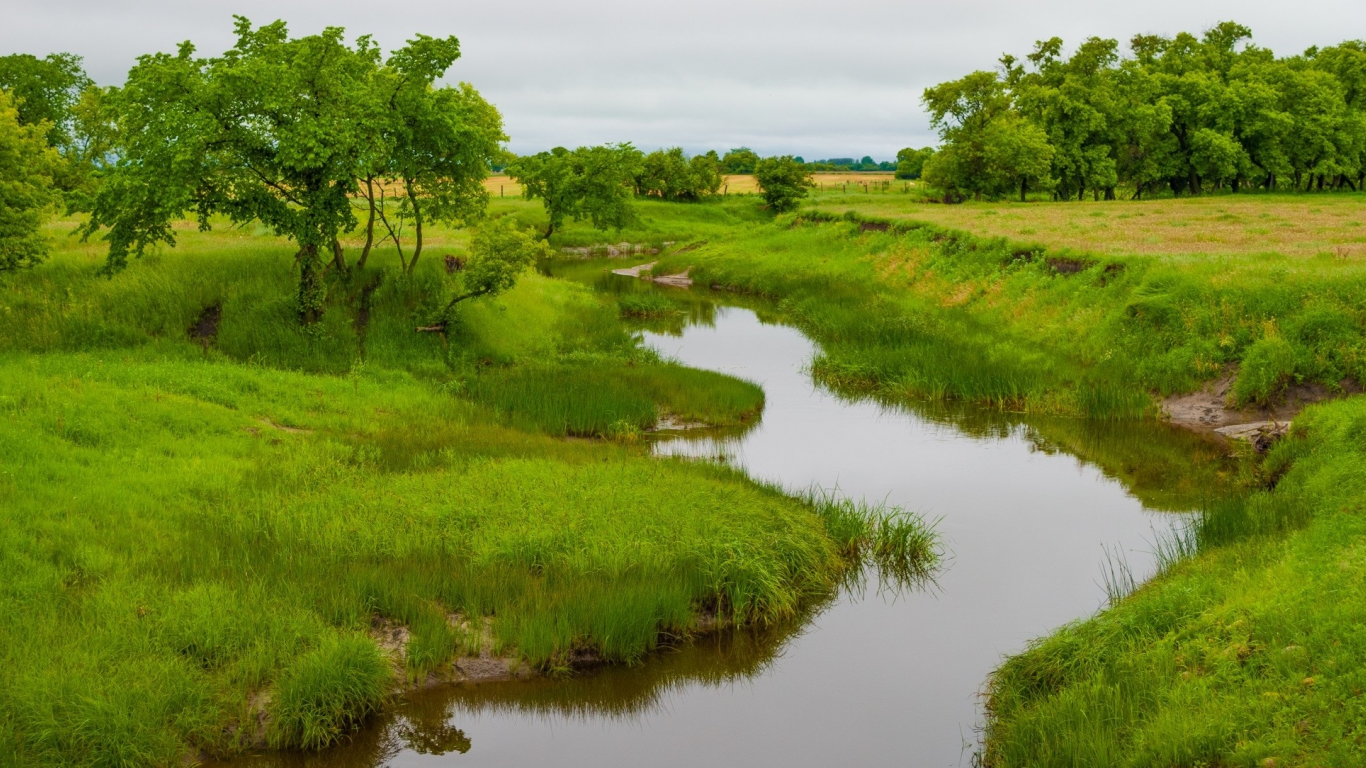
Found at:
<point>871,679</point>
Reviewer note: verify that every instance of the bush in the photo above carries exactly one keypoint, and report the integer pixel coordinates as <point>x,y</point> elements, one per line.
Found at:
<point>1267,370</point>
<point>784,182</point>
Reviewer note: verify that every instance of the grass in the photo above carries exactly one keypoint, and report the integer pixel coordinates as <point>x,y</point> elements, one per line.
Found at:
<point>196,533</point>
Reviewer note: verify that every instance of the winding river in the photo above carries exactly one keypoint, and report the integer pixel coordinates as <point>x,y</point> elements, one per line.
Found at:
<point>874,678</point>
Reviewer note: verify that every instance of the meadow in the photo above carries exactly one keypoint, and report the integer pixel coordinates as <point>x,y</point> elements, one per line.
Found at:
<point>211,512</point>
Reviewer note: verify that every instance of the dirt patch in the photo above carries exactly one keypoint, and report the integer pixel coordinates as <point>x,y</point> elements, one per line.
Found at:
<point>1208,410</point>
<point>205,327</point>
<point>874,226</point>
<point>670,423</point>
<point>1065,266</point>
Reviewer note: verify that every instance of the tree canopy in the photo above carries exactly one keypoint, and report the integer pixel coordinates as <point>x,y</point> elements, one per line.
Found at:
<point>593,184</point>
<point>1188,114</point>
<point>740,160</point>
<point>671,175</point>
<point>283,130</point>
<point>783,182</point>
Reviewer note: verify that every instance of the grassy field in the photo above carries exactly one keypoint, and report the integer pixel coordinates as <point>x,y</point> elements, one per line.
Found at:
<point>1247,649</point>
<point>199,534</point>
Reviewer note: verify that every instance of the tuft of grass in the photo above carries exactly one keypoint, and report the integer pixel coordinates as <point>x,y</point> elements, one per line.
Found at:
<point>647,305</point>
<point>328,691</point>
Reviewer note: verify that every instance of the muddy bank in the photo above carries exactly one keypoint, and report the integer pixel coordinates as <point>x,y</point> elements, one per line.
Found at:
<point>1208,410</point>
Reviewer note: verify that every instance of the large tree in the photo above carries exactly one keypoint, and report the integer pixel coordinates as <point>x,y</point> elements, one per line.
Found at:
<point>671,175</point>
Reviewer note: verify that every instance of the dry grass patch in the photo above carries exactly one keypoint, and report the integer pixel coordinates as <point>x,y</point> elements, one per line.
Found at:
<point>1299,225</point>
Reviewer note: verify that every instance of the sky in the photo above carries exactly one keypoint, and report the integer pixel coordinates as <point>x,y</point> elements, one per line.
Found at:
<point>813,78</point>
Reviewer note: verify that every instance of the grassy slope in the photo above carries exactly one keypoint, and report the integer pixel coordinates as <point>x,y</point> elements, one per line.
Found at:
<point>1250,650</point>
<point>185,528</point>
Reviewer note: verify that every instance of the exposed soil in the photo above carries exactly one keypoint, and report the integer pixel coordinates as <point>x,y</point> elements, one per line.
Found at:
<point>1208,410</point>
<point>205,328</point>
<point>603,250</point>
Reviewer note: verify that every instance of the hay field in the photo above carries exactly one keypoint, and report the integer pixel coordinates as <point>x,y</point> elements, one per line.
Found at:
<point>737,184</point>
<point>1293,225</point>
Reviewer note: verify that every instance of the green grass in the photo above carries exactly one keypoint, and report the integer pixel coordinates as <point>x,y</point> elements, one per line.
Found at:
<point>194,533</point>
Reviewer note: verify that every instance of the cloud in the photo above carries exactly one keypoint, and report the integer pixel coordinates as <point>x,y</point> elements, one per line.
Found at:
<point>818,79</point>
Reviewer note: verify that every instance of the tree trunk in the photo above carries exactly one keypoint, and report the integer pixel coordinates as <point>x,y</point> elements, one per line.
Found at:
<point>549,230</point>
<point>369,225</point>
<point>1024,186</point>
<point>1109,193</point>
<point>417,226</point>
<point>312,291</point>
<point>339,258</point>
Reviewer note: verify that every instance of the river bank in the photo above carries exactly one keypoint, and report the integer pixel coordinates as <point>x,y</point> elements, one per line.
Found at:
<point>1244,650</point>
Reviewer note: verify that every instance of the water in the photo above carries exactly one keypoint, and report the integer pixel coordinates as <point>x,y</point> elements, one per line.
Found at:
<point>871,679</point>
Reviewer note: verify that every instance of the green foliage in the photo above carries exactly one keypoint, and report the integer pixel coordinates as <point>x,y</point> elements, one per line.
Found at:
<point>741,160</point>
<point>499,254</point>
<point>668,174</point>
<point>1268,368</point>
<point>27,167</point>
<point>1186,113</point>
<point>783,182</point>
<point>989,149</point>
<point>46,92</point>
<point>650,304</point>
<point>588,184</point>
<point>910,162</point>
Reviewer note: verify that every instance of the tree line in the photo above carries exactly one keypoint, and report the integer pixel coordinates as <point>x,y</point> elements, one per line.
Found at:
<point>1186,114</point>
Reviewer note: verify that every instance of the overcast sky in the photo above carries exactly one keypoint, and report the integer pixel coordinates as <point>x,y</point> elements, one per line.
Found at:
<point>817,79</point>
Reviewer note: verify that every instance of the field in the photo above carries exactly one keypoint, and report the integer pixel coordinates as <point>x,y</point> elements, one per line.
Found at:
<point>739,184</point>
<point>1288,225</point>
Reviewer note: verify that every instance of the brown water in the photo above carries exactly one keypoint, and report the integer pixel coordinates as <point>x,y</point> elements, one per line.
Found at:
<point>870,679</point>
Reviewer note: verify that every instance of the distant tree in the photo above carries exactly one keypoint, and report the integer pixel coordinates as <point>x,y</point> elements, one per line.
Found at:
<point>272,131</point>
<point>27,196</point>
<point>741,160</point>
<point>45,91</point>
<point>910,162</point>
<point>588,183</point>
<point>783,181</point>
<point>440,141</point>
<point>669,174</point>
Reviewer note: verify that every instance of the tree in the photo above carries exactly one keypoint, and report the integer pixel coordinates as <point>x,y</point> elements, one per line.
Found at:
<point>26,193</point>
<point>273,131</point>
<point>783,182</point>
<point>669,174</point>
<point>740,160</point>
<point>989,149</point>
<point>45,91</point>
<point>910,162</point>
<point>588,183</point>
<point>441,142</point>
